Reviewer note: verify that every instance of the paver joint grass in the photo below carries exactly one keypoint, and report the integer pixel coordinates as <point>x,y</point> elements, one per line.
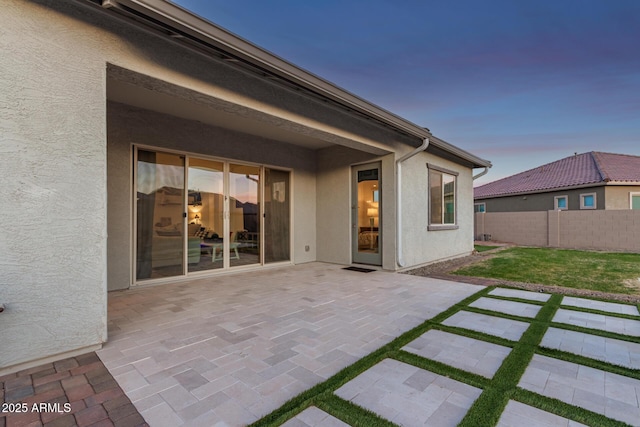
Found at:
<point>497,391</point>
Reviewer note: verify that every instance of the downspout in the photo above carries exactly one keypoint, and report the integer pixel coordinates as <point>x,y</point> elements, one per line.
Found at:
<point>483,173</point>
<point>399,255</point>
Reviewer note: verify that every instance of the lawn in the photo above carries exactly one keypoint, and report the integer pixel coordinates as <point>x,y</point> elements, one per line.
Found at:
<point>484,248</point>
<point>598,271</point>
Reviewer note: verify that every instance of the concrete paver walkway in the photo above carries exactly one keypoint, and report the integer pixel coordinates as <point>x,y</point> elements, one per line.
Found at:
<point>517,293</point>
<point>616,352</point>
<point>508,307</point>
<point>314,417</point>
<point>503,328</point>
<point>410,396</point>
<point>478,357</point>
<point>612,395</point>
<point>610,307</point>
<point>598,321</point>
<point>518,414</point>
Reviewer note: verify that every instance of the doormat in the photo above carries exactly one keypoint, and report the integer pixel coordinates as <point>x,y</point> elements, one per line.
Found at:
<point>359,269</point>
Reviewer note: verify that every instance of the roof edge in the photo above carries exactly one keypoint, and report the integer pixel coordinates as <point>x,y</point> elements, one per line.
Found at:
<point>546,190</point>
<point>184,21</point>
<point>188,22</point>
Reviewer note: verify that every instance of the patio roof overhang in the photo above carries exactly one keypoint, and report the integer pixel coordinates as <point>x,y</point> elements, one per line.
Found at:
<point>198,33</point>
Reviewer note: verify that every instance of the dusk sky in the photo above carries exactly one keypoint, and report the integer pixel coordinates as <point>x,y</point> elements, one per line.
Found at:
<point>520,83</point>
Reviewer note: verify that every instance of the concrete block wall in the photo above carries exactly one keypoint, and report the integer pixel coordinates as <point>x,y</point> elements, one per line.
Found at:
<point>614,230</point>
<point>603,230</point>
<point>523,228</point>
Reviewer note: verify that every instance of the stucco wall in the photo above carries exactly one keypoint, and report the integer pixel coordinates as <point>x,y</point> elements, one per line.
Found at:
<point>53,210</point>
<point>617,197</point>
<point>542,201</point>
<point>421,246</point>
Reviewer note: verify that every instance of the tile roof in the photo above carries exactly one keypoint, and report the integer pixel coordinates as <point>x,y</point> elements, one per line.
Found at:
<point>581,169</point>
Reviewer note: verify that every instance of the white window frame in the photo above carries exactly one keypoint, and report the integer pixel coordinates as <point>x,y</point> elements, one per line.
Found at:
<point>595,201</point>
<point>442,226</point>
<point>555,203</point>
<point>484,207</point>
<point>633,194</point>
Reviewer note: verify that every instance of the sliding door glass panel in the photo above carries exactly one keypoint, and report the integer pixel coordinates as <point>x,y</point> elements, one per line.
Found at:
<point>244,215</point>
<point>160,222</point>
<point>205,210</point>
<point>276,216</point>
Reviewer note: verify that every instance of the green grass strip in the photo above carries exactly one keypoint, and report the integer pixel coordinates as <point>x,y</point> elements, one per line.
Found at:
<point>350,413</point>
<point>493,313</point>
<point>443,369</point>
<point>487,409</point>
<point>598,332</point>
<point>475,335</point>
<point>309,397</point>
<point>600,312</point>
<point>565,410</point>
<point>591,363</point>
<point>516,299</point>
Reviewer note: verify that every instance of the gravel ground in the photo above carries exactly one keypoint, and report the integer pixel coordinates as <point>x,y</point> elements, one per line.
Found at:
<point>442,270</point>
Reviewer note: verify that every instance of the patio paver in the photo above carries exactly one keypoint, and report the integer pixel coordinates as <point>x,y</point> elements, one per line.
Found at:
<point>314,417</point>
<point>610,307</point>
<point>504,328</point>
<point>233,348</point>
<point>612,395</point>
<point>517,293</point>
<point>410,396</point>
<point>508,307</point>
<point>469,354</point>
<point>602,322</point>
<point>518,414</point>
<point>617,352</point>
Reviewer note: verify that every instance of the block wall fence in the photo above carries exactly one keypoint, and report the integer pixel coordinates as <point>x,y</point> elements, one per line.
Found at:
<point>611,230</point>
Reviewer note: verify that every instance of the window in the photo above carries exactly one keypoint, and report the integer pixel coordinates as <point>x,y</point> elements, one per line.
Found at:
<point>442,198</point>
<point>479,207</point>
<point>560,203</point>
<point>588,201</point>
<point>634,201</point>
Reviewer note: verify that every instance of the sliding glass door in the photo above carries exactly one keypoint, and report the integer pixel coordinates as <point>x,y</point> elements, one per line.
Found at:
<point>227,215</point>
<point>159,215</point>
<point>205,213</point>
<point>244,215</point>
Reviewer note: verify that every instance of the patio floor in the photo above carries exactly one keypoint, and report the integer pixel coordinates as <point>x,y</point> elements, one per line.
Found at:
<point>233,348</point>
<point>225,351</point>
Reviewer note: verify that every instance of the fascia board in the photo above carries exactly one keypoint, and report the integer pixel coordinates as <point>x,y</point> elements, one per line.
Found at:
<point>202,29</point>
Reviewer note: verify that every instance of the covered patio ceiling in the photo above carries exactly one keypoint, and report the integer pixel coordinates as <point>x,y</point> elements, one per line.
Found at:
<point>146,92</point>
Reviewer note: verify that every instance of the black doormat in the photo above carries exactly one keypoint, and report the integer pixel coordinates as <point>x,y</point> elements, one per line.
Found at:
<point>359,269</point>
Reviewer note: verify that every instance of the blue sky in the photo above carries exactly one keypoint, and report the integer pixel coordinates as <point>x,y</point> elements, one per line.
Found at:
<point>520,83</point>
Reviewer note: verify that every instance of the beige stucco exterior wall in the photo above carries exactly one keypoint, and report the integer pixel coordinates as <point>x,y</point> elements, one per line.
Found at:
<point>421,246</point>
<point>53,210</point>
<point>617,196</point>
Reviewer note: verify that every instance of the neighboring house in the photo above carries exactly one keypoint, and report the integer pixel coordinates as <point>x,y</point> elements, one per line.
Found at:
<point>592,180</point>
<point>142,145</point>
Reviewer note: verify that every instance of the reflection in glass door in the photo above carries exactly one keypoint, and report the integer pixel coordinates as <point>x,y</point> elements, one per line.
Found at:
<point>196,215</point>
<point>366,214</point>
<point>276,216</point>
<point>159,215</point>
<point>244,215</point>
<point>205,215</point>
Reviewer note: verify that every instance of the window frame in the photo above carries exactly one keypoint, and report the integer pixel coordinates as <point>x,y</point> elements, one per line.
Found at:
<point>442,226</point>
<point>633,194</point>
<point>484,207</point>
<point>556,205</point>
<point>595,201</point>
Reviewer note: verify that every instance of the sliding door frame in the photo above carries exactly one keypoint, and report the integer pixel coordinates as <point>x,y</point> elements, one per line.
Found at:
<point>226,216</point>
